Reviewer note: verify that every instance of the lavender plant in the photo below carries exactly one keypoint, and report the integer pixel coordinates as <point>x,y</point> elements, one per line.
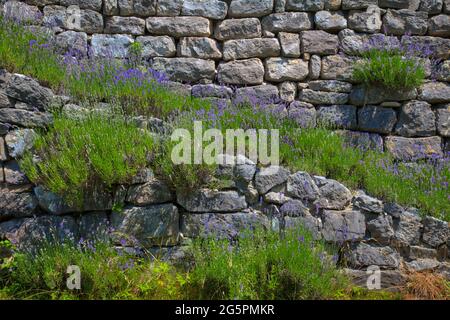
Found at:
<point>393,64</point>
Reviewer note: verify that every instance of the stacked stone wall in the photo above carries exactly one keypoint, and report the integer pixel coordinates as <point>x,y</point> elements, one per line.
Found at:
<point>292,52</point>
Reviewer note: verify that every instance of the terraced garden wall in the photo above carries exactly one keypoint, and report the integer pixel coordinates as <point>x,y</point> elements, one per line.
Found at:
<point>294,53</point>
<point>297,55</point>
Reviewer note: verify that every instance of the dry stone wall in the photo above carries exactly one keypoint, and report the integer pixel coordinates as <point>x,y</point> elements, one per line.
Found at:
<point>156,218</point>
<point>292,52</point>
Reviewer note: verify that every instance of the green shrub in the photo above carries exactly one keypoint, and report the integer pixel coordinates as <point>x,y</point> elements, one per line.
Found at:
<point>76,154</point>
<point>105,274</point>
<point>27,52</point>
<point>390,67</point>
<point>321,151</point>
<point>264,265</point>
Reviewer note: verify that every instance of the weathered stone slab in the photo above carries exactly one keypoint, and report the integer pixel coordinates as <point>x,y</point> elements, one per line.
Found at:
<point>287,22</point>
<point>377,119</point>
<point>340,226</point>
<point>213,9</point>
<point>250,8</point>
<point>319,42</point>
<point>158,46</point>
<point>127,25</point>
<point>244,72</point>
<point>416,120</point>
<point>185,69</point>
<point>212,201</point>
<point>199,47</point>
<point>408,149</point>
<point>251,48</point>
<point>179,26</point>
<point>116,46</point>
<point>28,90</point>
<point>147,226</point>
<point>238,29</point>
<point>284,69</point>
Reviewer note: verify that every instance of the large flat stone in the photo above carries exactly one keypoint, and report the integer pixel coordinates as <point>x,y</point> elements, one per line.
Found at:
<point>287,22</point>
<point>285,69</point>
<point>185,69</point>
<point>251,48</point>
<point>408,149</point>
<point>205,200</point>
<point>243,72</point>
<point>179,26</point>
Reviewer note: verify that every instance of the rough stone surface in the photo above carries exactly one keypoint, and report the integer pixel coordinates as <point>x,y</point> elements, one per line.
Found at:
<point>330,86</point>
<point>361,96</point>
<point>337,67</point>
<point>288,91</point>
<point>400,22</point>
<point>367,203</point>
<point>315,66</point>
<point>300,185</point>
<point>147,226</point>
<point>285,69</point>
<point>96,200</point>
<point>414,148</point>
<point>365,21</point>
<point>127,25</point>
<point>115,46</point>
<point>435,232</point>
<point>407,229</point>
<point>225,226</point>
<point>362,140</point>
<point>185,69</point>
<point>303,113</point>
<point>199,47</point>
<point>250,8</point>
<point>333,195</point>
<point>251,48</point>
<point>238,29</point>
<point>213,9</point>
<point>16,204</point>
<point>319,42</point>
<point>265,94</point>
<point>305,5</point>
<point>439,26</point>
<point>19,141</point>
<point>381,229</point>
<point>330,21</point>
<point>364,255</point>
<point>435,92</point>
<point>269,177</point>
<point>323,97</point>
<point>153,192</point>
<point>357,4</point>
<point>25,118</point>
<point>307,222</point>
<point>29,91</point>
<point>377,119</point>
<point>416,120</point>
<point>244,72</point>
<point>338,116</point>
<point>290,44</point>
<point>212,201</point>
<point>431,6</point>
<point>179,26</point>
<point>159,46</point>
<point>443,120</point>
<point>287,22</point>
<point>390,280</point>
<point>340,226</point>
